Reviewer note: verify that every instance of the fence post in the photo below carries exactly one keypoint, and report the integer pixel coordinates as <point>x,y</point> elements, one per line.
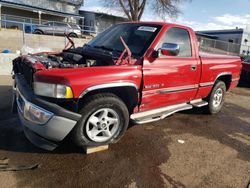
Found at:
<point>5,24</point>
<point>24,35</point>
<point>65,33</point>
<point>53,28</point>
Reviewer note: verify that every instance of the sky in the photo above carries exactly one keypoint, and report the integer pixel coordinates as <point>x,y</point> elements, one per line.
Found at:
<point>198,14</point>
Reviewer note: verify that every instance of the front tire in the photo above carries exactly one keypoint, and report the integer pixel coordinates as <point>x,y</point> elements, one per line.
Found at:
<point>105,119</point>
<point>216,98</point>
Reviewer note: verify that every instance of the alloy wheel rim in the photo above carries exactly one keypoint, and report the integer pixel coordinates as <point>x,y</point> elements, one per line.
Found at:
<point>102,125</point>
<point>218,97</point>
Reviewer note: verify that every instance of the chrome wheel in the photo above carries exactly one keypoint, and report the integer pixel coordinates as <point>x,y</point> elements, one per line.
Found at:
<point>218,97</point>
<point>102,125</point>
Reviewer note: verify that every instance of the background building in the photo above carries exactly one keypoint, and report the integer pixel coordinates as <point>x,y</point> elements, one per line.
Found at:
<point>37,11</point>
<point>99,21</point>
<point>234,41</point>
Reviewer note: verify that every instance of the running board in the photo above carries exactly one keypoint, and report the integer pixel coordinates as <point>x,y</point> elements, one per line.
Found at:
<point>158,114</point>
<point>198,103</point>
<point>161,113</point>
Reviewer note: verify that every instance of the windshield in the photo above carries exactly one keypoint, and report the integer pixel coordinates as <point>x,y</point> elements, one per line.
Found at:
<point>137,36</point>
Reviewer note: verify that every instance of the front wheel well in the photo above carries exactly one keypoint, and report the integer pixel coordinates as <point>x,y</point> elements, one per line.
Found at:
<point>129,95</point>
<point>227,79</point>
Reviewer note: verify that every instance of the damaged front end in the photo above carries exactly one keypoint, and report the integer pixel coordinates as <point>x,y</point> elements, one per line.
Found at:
<point>81,57</point>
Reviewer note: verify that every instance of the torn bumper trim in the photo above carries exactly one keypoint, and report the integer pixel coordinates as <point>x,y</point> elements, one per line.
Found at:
<point>39,141</point>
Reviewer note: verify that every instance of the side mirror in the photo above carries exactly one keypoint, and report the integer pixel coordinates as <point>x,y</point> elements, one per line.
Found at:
<point>170,49</point>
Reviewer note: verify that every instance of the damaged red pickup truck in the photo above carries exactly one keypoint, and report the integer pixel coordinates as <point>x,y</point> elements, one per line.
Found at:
<point>140,72</point>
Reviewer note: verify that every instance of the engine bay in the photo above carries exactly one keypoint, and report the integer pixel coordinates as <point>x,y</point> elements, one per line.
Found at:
<point>71,59</point>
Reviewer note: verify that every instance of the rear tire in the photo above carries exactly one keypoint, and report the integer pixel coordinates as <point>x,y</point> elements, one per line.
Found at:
<point>216,98</point>
<point>105,119</point>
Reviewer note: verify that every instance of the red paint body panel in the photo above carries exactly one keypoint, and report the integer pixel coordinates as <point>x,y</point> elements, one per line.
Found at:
<point>79,79</point>
<point>166,81</point>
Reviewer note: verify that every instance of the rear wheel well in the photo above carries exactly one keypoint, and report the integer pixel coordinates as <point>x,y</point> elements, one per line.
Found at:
<point>128,95</point>
<point>38,30</point>
<point>227,79</point>
<point>74,35</point>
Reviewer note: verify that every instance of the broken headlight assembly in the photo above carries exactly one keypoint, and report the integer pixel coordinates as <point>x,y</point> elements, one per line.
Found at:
<point>53,90</point>
<point>31,112</point>
<point>36,114</point>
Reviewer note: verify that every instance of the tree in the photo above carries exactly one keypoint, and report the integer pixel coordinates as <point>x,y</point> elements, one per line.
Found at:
<point>134,9</point>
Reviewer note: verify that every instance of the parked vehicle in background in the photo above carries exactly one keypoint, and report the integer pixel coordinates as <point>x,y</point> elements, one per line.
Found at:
<point>59,28</point>
<point>138,71</point>
<point>246,69</point>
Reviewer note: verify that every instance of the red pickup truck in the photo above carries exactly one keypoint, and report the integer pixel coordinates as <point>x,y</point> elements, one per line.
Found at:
<point>140,72</point>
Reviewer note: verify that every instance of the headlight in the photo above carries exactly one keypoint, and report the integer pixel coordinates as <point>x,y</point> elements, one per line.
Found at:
<point>36,114</point>
<point>53,90</point>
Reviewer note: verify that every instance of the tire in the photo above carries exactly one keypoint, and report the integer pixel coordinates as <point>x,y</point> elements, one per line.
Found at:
<point>110,126</point>
<point>216,98</point>
<point>38,32</point>
<point>73,35</point>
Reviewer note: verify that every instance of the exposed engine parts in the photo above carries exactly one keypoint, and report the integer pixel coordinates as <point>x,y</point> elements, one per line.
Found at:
<point>64,60</point>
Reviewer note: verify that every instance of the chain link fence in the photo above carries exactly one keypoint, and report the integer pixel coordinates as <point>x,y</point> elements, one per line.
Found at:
<point>218,46</point>
<point>20,36</point>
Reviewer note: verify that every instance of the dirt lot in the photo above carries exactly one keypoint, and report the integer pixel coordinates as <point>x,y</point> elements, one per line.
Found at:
<point>216,152</point>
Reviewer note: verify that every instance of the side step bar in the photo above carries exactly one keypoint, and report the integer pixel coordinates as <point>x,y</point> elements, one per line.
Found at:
<point>158,114</point>
<point>198,103</point>
<point>161,113</point>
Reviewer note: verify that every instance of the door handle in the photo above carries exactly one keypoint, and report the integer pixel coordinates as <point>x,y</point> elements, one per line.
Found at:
<point>193,67</point>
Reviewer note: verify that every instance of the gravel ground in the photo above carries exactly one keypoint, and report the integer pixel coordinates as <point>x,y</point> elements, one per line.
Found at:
<point>215,152</point>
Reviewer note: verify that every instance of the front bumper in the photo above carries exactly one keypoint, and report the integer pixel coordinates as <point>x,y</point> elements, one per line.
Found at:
<point>48,135</point>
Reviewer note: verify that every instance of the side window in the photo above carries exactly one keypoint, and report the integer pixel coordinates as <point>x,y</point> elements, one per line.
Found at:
<point>48,24</point>
<point>60,24</point>
<point>181,37</point>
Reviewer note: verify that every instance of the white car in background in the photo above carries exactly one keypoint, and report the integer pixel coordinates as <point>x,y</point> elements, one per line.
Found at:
<point>59,28</point>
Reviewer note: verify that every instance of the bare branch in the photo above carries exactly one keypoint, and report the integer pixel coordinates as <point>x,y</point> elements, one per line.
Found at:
<point>125,10</point>
<point>134,9</point>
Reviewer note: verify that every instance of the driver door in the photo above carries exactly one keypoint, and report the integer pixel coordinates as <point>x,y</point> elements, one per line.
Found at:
<point>170,80</point>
